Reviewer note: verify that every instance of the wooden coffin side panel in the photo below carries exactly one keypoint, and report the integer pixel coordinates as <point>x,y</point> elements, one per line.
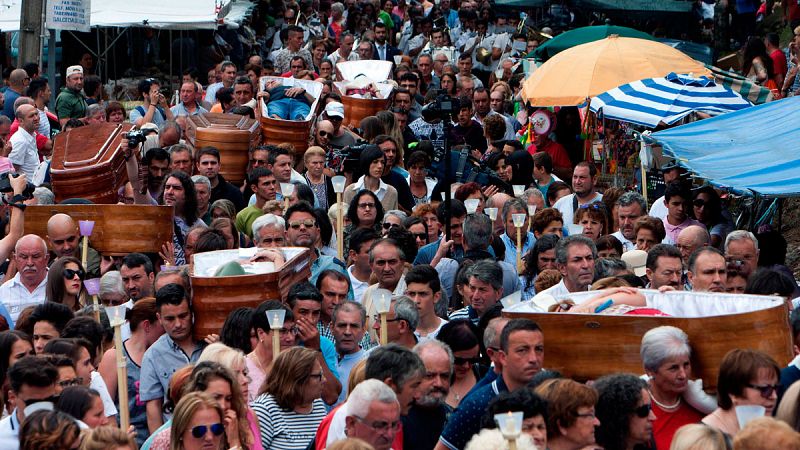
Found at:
<point>588,346</point>
<point>215,297</point>
<point>118,229</point>
<point>356,109</point>
<point>88,163</point>
<point>232,135</point>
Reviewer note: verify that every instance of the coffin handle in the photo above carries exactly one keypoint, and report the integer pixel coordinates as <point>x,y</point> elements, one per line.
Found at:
<point>592,324</point>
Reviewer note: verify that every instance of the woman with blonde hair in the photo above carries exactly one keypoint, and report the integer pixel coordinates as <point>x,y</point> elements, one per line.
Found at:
<point>767,433</point>
<point>318,181</point>
<point>393,130</point>
<point>104,438</point>
<point>697,436</point>
<point>197,423</point>
<point>289,407</point>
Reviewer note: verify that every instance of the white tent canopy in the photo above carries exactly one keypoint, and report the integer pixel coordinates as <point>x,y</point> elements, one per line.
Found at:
<point>162,14</point>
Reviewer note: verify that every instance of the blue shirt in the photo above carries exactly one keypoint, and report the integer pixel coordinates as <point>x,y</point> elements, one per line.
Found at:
<point>344,367</point>
<point>8,107</point>
<point>323,263</point>
<point>511,246</point>
<point>487,379</point>
<point>465,422</point>
<point>468,312</point>
<point>427,252</point>
<point>160,361</point>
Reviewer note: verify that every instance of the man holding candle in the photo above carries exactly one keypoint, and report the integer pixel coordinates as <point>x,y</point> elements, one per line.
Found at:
<point>522,356</point>
<point>174,349</point>
<point>402,320</point>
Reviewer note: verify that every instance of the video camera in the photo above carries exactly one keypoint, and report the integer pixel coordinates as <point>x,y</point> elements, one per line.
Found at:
<point>135,137</point>
<point>351,155</point>
<point>444,107</point>
<point>5,185</point>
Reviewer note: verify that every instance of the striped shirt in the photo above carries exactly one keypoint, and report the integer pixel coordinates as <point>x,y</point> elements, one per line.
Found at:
<point>286,430</point>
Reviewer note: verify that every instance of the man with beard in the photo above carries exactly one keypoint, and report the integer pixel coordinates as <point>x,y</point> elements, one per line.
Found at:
<point>302,230</point>
<point>28,285</point>
<point>630,206</point>
<point>664,267</point>
<point>428,416</point>
<point>575,256</point>
<point>70,103</point>
<point>383,50</point>
<point>64,239</point>
<point>157,161</point>
<point>173,350</point>
<point>584,178</point>
<point>348,327</point>
<point>522,356</point>
<point>208,164</point>
<point>137,276</point>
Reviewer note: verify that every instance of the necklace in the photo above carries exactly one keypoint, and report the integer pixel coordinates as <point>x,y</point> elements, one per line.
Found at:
<point>257,360</point>
<point>667,408</point>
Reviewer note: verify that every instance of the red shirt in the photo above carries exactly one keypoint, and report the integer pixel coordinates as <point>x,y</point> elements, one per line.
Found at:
<point>322,432</point>
<point>667,423</point>
<point>557,153</point>
<point>778,63</point>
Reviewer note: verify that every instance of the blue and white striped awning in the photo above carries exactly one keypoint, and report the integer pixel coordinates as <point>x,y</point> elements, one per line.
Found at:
<point>651,101</point>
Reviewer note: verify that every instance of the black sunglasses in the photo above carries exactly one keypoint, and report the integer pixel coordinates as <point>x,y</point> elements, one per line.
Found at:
<point>216,429</point>
<point>699,202</point>
<point>458,361</point>
<point>70,274</point>
<point>643,411</point>
<point>766,390</point>
<point>325,134</point>
<point>388,225</point>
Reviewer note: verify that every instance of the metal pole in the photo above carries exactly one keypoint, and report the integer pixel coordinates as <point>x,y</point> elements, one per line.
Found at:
<point>30,31</point>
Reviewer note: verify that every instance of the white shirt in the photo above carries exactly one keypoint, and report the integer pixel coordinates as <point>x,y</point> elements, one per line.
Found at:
<point>659,209</point>
<point>358,286</point>
<point>383,188</point>
<point>24,152</point>
<point>335,57</point>
<point>9,432</point>
<point>626,244</point>
<point>16,297</point>
<point>558,291</point>
<point>564,205</point>
<point>99,385</point>
<point>432,334</point>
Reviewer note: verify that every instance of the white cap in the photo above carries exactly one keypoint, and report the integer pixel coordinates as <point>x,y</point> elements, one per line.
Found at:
<point>72,70</point>
<point>636,260</point>
<point>335,109</point>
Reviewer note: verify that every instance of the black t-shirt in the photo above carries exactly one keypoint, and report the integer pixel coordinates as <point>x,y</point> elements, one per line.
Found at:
<point>404,197</point>
<point>423,426</point>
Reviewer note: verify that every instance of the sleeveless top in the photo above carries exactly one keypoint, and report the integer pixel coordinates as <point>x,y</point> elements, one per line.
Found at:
<point>138,411</point>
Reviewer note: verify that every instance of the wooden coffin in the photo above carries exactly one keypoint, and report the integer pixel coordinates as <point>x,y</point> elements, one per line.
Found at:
<point>215,297</point>
<point>88,163</point>
<point>232,135</point>
<point>296,132</point>
<point>588,346</point>
<point>356,109</point>
<point>118,229</point>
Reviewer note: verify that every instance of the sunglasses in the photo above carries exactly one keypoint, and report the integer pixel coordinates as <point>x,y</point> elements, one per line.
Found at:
<point>70,274</point>
<point>216,429</point>
<point>325,134</point>
<point>699,202</point>
<point>366,205</point>
<point>389,225</point>
<point>766,390</point>
<point>308,223</point>
<point>643,411</point>
<point>423,236</point>
<point>459,361</point>
<point>595,206</point>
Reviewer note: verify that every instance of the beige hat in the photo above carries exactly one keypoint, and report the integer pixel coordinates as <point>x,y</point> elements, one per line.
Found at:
<point>72,70</point>
<point>636,260</point>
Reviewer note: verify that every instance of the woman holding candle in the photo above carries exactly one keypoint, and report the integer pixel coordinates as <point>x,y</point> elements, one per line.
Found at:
<point>65,283</point>
<point>625,413</point>
<point>145,330</point>
<point>259,361</point>
<point>289,406</point>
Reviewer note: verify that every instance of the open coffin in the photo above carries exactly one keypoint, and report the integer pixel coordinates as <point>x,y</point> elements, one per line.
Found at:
<point>356,108</point>
<point>215,297</point>
<point>587,346</point>
<point>295,132</point>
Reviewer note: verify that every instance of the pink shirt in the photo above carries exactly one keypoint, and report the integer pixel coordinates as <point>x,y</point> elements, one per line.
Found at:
<point>674,230</point>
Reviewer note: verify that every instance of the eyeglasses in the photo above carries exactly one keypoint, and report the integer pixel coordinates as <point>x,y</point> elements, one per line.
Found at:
<point>73,382</point>
<point>325,134</point>
<point>459,361</point>
<point>380,426</point>
<point>70,274</point>
<point>389,225</point>
<point>699,202</point>
<point>216,429</point>
<point>377,318</point>
<point>297,67</point>
<point>643,411</point>
<point>766,390</point>
<point>589,415</point>
<point>366,205</point>
<point>258,161</point>
<point>308,223</point>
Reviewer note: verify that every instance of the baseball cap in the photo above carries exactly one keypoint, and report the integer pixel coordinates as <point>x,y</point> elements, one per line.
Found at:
<point>335,109</point>
<point>72,70</point>
<point>636,260</point>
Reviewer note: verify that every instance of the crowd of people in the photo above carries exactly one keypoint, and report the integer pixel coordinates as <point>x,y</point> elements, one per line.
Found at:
<point>531,218</point>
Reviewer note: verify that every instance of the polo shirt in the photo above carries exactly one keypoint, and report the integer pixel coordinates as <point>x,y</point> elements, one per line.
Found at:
<point>11,96</point>
<point>467,312</point>
<point>427,252</point>
<point>358,286</point>
<point>160,361</point>
<point>211,92</point>
<point>344,366</point>
<point>465,422</point>
<point>16,297</point>
<point>24,152</point>
<point>674,230</point>
<point>70,104</point>
<point>626,244</point>
<point>427,424</point>
<point>9,431</point>
<point>180,110</point>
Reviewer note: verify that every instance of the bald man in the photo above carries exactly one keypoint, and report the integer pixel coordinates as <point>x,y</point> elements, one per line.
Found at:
<point>28,285</point>
<point>690,239</point>
<point>497,201</point>
<point>64,238</point>
<point>18,80</point>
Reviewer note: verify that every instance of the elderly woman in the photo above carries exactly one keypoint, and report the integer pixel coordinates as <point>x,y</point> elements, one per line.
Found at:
<point>571,418</point>
<point>624,411</point>
<point>393,219</point>
<point>112,291</point>
<point>289,407</point>
<point>649,231</point>
<point>746,377</point>
<point>665,354</point>
<point>320,184</point>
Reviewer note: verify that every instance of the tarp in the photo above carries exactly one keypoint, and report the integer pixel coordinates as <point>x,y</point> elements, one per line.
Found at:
<point>753,150</point>
<point>162,14</point>
<point>667,99</point>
